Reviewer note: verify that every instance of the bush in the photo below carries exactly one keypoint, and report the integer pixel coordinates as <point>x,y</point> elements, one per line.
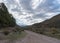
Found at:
<point>54,31</point>
<point>6,32</point>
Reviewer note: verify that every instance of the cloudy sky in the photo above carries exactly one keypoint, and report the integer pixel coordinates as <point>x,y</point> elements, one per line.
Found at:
<point>28,12</point>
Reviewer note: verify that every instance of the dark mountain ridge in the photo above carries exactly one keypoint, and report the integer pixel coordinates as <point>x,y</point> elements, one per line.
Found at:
<point>52,22</point>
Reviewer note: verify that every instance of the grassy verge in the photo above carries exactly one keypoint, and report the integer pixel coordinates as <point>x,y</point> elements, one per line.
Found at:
<point>51,32</point>
<point>53,35</point>
<point>14,36</point>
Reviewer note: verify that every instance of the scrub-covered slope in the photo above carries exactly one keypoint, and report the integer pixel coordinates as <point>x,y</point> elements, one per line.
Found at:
<point>6,19</point>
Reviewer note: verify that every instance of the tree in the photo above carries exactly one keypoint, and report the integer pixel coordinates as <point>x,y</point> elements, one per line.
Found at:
<point>6,19</point>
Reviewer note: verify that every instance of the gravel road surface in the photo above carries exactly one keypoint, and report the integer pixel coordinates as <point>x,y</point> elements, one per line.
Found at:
<point>37,38</point>
<point>32,37</point>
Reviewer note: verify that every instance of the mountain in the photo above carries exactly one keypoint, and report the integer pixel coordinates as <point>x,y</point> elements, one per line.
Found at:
<point>6,19</point>
<point>52,22</point>
<point>50,27</point>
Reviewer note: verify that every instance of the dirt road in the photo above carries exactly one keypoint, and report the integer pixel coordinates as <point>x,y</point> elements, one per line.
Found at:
<point>32,37</point>
<point>36,38</point>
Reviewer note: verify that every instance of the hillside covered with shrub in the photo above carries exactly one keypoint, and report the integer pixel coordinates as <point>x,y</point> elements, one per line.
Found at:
<point>6,19</point>
<point>52,22</point>
<point>50,27</point>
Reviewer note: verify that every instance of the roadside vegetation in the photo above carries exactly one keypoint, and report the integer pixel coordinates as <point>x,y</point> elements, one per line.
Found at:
<point>51,32</point>
<point>50,27</point>
<point>12,33</point>
<point>8,27</point>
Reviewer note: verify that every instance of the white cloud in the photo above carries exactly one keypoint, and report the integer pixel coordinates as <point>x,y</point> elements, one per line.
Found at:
<point>35,3</point>
<point>27,12</point>
<point>0,0</point>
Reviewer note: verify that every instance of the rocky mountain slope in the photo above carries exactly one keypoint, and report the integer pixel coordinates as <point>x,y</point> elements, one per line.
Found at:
<point>52,22</point>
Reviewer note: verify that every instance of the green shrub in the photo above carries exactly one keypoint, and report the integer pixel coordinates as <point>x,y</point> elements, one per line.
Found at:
<point>6,32</point>
<point>54,31</point>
